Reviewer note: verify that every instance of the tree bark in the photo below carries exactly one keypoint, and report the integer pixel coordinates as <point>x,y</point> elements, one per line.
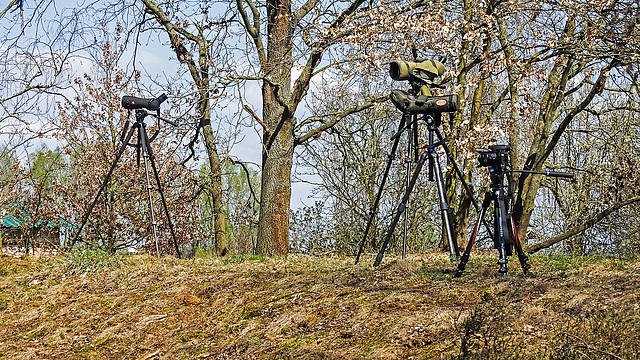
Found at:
<point>464,203</point>
<point>528,185</point>
<point>278,138</point>
<point>215,190</point>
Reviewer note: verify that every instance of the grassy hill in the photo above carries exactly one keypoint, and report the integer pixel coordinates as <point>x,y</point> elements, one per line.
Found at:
<point>92,306</point>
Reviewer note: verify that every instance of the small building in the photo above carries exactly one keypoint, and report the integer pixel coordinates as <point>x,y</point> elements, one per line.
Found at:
<point>13,231</point>
<point>10,233</point>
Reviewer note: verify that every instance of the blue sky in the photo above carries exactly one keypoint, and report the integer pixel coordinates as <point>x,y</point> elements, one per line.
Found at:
<point>158,64</point>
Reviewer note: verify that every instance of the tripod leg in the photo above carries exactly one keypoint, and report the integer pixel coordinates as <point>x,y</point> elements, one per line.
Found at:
<point>106,179</point>
<point>412,151</point>
<point>502,232</point>
<point>164,202</point>
<point>376,202</point>
<point>466,186</point>
<point>401,207</point>
<point>467,251</point>
<point>521,255</point>
<point>143,146</point>
<point>434,159</point>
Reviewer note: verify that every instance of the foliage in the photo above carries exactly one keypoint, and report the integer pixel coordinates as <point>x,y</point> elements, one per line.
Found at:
<point>311,232</point>
<point>10,175</point>
<point>241,194</point>
<point>30,197</point>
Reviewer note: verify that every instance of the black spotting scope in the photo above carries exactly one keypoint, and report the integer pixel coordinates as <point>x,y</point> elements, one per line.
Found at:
<point>132,102</point>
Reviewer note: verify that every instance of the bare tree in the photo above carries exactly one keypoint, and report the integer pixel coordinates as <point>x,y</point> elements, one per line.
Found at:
<point>36,55</point>
<point>273,40</point>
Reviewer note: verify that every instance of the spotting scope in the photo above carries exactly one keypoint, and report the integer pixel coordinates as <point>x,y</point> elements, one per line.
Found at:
<point>406,70</point>
<point>132,102</point>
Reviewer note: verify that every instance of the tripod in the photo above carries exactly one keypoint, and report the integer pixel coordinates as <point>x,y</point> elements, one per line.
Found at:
<point>500,193</point>
<point>143,147</point>
<point>431,108</point>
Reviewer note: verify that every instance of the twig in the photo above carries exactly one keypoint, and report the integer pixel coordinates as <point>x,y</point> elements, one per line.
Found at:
<point>266,128</point>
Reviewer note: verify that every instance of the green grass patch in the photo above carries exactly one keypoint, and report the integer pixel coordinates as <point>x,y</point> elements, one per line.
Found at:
<point>87,260</point>
<point>241,258</point>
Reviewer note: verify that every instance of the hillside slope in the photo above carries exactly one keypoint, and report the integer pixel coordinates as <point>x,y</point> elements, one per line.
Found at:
<point>140,307</point>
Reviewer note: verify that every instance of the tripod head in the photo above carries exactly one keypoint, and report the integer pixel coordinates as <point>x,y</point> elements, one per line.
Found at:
<point>142,107</point>
<point>497,160</point>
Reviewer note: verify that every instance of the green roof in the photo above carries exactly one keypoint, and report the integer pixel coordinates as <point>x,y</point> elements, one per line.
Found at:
<point>13,221</point>
<point>10,221</point>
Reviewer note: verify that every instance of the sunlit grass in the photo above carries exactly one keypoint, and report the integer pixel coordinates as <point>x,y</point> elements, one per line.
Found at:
<point>93,304</point>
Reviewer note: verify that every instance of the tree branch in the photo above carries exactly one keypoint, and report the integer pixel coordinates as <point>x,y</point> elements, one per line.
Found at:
<point>253,29</point>
<point>582,227</point>
<point>596,89</point>
<point>338,117</point>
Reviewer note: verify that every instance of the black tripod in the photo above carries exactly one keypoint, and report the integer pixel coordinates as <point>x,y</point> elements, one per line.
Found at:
<point>431,109</point>
<point>500,193</point>
<point>143,147</point>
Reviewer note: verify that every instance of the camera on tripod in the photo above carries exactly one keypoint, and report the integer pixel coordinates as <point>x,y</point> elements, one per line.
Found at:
<point>496,157</point>
<point>500,194</point>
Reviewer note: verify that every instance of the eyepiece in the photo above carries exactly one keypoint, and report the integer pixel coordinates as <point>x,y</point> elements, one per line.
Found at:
<point>399,70</point>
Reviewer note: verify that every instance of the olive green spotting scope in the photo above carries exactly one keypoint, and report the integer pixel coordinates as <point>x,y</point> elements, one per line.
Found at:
<point>406,70</point>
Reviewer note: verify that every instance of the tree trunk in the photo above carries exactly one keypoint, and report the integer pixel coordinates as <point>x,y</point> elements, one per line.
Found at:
<point>464,203</point>
<point>528,185</point>
<point>275,196</point>
<point>278,139</point>
<point>216,191</point>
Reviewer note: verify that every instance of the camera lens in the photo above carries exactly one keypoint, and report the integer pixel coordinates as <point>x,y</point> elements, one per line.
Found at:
<point>487,158</point>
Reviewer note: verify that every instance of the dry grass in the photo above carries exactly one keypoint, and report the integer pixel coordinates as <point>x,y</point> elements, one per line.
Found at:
<point>90,306</point>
